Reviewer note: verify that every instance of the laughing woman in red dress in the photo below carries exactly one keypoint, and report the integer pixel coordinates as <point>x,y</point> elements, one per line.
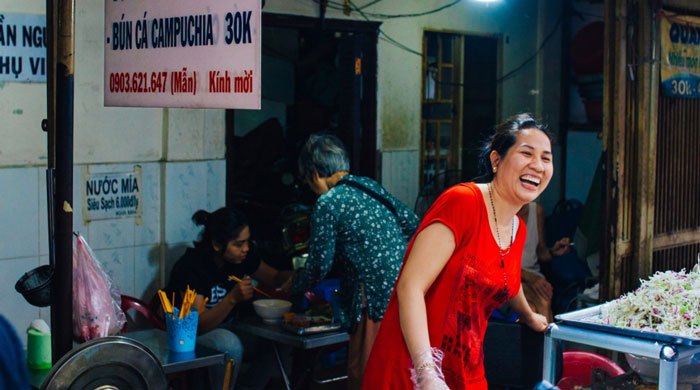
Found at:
<point>463,263</point>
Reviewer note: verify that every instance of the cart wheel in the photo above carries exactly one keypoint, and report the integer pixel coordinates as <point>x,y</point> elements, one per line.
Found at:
<point>107,363</point>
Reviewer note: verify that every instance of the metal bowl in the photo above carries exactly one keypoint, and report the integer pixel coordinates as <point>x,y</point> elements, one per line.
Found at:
<point>648,369</point>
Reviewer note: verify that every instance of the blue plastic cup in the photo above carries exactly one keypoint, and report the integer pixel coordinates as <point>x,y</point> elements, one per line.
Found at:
<point>182,332</point>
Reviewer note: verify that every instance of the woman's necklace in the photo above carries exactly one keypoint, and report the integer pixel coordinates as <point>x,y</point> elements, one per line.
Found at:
<point>501,252</point>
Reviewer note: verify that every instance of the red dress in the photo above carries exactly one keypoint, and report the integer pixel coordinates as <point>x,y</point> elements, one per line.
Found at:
<point>458,303</point>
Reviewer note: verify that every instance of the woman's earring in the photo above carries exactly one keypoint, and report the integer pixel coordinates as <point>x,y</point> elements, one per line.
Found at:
<point>494,169</point>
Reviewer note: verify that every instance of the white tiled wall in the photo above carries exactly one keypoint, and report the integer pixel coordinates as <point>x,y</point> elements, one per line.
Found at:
<point>184,196</point>
<point>146,271</point>
<point>128,250</point>
<point>148,232</point>
<point>19,211</point>
<point>400,174</point>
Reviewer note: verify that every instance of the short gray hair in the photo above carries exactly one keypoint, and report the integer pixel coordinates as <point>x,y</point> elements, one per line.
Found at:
<point>323,154</point>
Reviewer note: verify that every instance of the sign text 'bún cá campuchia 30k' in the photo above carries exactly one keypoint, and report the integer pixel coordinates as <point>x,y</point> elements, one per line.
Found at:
<point>180,53</point>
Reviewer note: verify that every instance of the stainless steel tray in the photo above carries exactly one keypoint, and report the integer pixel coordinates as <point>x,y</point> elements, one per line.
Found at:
<point>302,330</point>
<point>589,318</point>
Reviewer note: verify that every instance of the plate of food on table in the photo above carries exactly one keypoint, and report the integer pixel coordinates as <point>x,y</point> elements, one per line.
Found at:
<point>317,318</point>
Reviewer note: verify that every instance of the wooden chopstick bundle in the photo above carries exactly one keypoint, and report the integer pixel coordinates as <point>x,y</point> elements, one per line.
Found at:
<point>187,302</point>
<point>167,306</point>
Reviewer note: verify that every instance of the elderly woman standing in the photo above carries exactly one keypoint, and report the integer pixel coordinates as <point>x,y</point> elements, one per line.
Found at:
<point>463,263</point>
<point>363,229</point>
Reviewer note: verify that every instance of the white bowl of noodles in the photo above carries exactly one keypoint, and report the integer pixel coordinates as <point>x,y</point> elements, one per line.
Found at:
<point>271,310</point>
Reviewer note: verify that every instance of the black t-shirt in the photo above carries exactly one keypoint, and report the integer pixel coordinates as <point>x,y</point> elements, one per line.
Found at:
<point>197,269</point>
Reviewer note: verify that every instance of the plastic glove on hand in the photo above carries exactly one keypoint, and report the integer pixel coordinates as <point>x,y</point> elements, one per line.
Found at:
<point>426,373</point>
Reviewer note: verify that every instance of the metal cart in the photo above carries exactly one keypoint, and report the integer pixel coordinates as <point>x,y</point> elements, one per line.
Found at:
<point>582,327</point>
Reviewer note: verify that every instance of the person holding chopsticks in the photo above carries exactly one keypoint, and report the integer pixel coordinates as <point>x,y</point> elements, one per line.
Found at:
<point>224,250</point>
<point>463,263</point>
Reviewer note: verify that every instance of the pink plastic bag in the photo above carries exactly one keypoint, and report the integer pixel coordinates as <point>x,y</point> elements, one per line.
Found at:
<point>96,302</point>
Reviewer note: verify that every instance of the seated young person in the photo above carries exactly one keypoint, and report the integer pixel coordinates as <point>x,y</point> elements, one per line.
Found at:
<point>224,249</point>
<point>538,291</point>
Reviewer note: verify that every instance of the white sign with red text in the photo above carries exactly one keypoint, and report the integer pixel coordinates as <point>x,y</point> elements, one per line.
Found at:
<point>182,53</point>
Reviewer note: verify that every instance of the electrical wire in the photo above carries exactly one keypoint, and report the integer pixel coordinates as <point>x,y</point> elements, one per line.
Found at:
<point>413,15</point>
<point>533,56</point>
<point>370,4</point>
<point>342,7</point>
<point>385,37</point>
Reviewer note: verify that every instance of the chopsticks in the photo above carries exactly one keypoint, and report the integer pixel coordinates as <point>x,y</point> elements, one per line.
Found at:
<point>187,302</point>
<point>167,306</point>
<point>232,277</point>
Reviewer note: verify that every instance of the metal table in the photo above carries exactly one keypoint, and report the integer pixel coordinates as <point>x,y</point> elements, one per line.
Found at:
<point>157,341</point>
<point>275,333</point>
<point>668,353</point>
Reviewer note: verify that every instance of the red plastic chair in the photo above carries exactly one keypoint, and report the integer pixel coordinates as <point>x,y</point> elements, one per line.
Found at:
<point>141,307</point>
<point>578,366</point>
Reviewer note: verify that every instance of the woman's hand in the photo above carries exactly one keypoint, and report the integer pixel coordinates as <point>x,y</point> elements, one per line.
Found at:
<point>427,370</point>
<point>243,291</point>
<point>286,287</point>
<point>561,247</point>
<point>542,288</point>
<point>536,322</point>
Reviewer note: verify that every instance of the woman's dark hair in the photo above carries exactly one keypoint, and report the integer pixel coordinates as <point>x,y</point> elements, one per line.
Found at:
<point>503,139</point>
<point>323,154</point>
<point>220,227</point>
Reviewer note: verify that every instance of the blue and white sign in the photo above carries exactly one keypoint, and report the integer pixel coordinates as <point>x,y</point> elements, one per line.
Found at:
<point>680,56</point>
<point>22,47</point>
<point>112,195</point>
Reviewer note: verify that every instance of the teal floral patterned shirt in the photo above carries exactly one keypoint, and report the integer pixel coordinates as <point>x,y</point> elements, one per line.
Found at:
<point>364,238</point>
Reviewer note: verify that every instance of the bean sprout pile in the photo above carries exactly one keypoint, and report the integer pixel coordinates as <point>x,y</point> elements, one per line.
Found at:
<point>669,303</point>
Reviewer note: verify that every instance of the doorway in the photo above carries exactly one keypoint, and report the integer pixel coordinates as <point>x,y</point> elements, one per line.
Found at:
<point>480,103</point>
<point>317,76</point>
<point>459,108</point>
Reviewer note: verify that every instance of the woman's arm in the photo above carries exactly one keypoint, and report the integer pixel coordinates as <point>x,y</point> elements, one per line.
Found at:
<point>527,276</point>
<point>431,250</point>
<point>324,227</point>
<point>212,317</point>
<point>271,276</point>
<point>520,306</point>
<point>540,285</point>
